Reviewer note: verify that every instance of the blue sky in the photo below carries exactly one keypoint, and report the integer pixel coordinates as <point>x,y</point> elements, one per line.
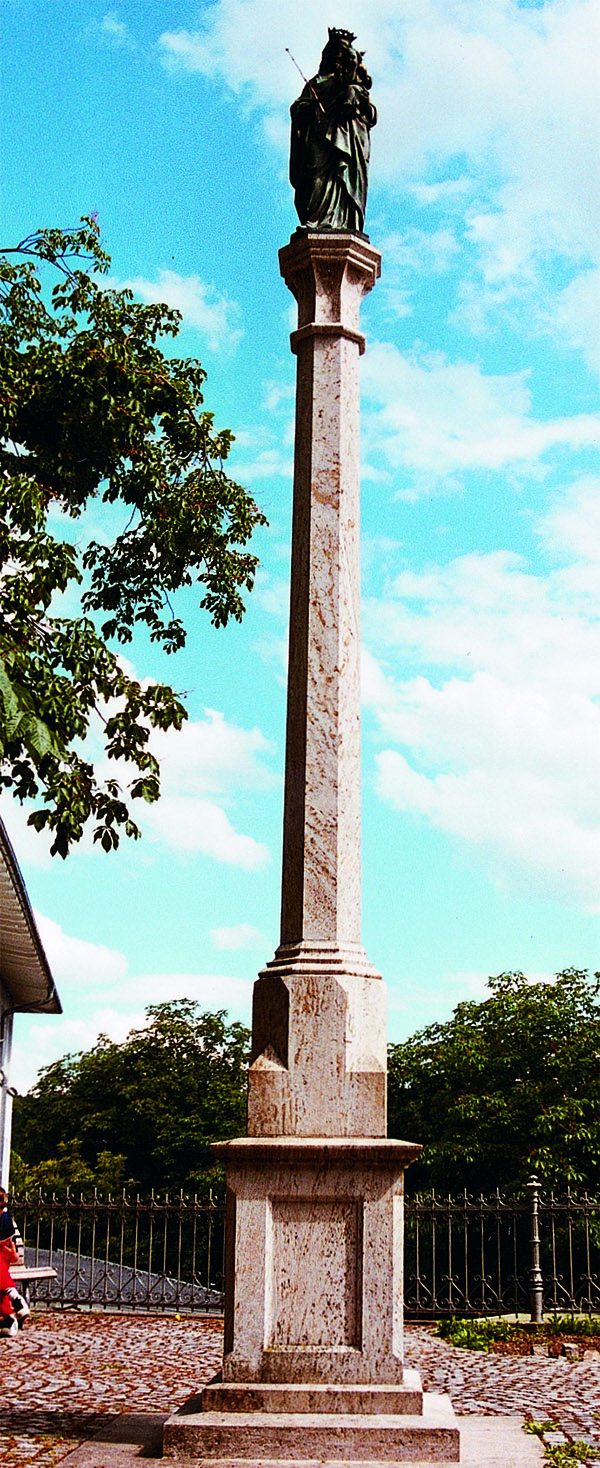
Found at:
<point>481,508</point>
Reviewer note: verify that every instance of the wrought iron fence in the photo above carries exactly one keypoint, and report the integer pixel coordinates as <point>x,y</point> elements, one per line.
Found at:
<point>124,1253</point>
<point>465,1256</point>
<point>534,1254</point>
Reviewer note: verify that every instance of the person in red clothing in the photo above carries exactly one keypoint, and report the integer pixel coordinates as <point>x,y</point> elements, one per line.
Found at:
<point>12,1304</point>
<point>9,1324</point>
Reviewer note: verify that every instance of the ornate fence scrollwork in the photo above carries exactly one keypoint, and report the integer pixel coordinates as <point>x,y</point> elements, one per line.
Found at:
<point>464,1256</point>
<point>526,1255</point>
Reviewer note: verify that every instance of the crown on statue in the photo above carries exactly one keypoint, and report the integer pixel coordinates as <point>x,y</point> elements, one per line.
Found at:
<point>340,35</point>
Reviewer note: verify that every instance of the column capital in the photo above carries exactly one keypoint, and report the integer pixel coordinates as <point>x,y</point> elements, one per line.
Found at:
<point>329,274</point>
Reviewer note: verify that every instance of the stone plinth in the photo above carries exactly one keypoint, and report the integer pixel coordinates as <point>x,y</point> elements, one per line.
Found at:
<point>314,1226</point>
<point>313,1358</point>
<point>315,1438</point>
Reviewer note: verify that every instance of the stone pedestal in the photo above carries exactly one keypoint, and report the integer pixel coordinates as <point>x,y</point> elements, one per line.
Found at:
<point>313,1360</point>
<point>314,1227</point>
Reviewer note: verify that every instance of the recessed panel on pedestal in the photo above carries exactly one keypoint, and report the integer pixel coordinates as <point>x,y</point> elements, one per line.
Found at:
<point>314,1253</point>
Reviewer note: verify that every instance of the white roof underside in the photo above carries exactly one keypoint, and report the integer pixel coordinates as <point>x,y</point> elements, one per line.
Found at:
<point>24,969</point>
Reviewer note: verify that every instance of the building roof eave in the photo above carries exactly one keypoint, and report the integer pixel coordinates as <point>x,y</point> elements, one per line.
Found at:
<point>24,969</point>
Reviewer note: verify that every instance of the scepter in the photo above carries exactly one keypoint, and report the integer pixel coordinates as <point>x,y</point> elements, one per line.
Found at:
<point>305,80</point>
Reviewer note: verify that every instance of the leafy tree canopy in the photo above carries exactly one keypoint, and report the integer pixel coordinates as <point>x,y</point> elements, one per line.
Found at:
<point>507,1087</point>
<point>141,1114</point>
<point>91,410</point>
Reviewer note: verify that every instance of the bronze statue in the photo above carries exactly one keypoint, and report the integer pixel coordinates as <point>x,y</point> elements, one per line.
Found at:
<point>331,125</point>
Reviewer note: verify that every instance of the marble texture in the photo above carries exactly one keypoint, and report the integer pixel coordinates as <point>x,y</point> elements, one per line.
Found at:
<point>319,1013</point>
<point>313,1397</point>
<point>318,1437</point>
<point>314,1236</point>
<point>319,1047</point>
<point>314,1281</point>
<point>321,879</point>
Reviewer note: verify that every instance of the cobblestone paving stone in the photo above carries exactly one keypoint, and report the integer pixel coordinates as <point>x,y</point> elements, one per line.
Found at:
<point>66,1372</point>
<point>477,1381</point>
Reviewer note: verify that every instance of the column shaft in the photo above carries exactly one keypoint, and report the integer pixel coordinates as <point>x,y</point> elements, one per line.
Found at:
<point>321,882</point>
<point>318,1023</point>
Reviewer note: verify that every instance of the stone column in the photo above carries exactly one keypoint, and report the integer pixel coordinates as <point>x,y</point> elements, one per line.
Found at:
<point>319,1027</point>
<point>313,1363</point>
<point>321,884</point>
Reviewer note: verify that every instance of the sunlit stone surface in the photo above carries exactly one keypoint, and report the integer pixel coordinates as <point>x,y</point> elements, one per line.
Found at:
<point>313,1358</point>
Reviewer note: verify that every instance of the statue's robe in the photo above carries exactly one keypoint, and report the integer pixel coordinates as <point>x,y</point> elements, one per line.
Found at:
<point>330,154</point>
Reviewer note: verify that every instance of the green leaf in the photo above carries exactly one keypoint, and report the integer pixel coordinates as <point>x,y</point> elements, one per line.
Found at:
<point>93,409</point>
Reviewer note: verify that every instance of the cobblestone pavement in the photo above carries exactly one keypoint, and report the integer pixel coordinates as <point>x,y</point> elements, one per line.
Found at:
<point>564,1391</point>
<point>66,1372</point>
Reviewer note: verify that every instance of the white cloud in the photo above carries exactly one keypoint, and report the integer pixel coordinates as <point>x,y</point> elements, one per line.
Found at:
<point>40,1041</point>
<point>496,738</point>
<point>32,848</point>
<point>73,960</point>
<point>429,414</point>
<point>85,971</point>
<point>210,991</point>
<point>245,45</point>
<point>507,92</point>
<point>205,758</point>
<point>571,531</point>
<point>266,450</point>
<point>202,768</point>
<point>272,593</point>
<point>114,30</point>
<point>419,250</point>
<point>241,936</point>
<point>266,463</point>
<point>187,823</point>
<point>510,89</point>
<point>413,1004</point>
<point>210,755</point>
<point>201,305</point>
<point>577,316</point>
<point>202,765</point>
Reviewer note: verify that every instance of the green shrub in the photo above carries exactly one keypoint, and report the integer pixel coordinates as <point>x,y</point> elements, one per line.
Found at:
<point>474,1335</point>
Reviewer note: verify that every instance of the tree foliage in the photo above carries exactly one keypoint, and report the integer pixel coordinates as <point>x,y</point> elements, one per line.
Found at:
<point>141,1114</point>
<point>93,412</point>
<point>507,1087</point>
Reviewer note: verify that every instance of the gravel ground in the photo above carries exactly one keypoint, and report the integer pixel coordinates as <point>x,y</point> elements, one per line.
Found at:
<point>64,1373</point>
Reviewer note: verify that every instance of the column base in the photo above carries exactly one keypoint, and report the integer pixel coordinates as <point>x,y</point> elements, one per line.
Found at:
<point>313,1366</point>
<point>315,1437</point>
<point>319,1055</point>
<point>229,1396</point>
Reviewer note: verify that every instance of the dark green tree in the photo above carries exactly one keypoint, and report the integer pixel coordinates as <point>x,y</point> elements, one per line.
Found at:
<point>507,1087</point>
<point>141,1114</point>
<point>92,411</point>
